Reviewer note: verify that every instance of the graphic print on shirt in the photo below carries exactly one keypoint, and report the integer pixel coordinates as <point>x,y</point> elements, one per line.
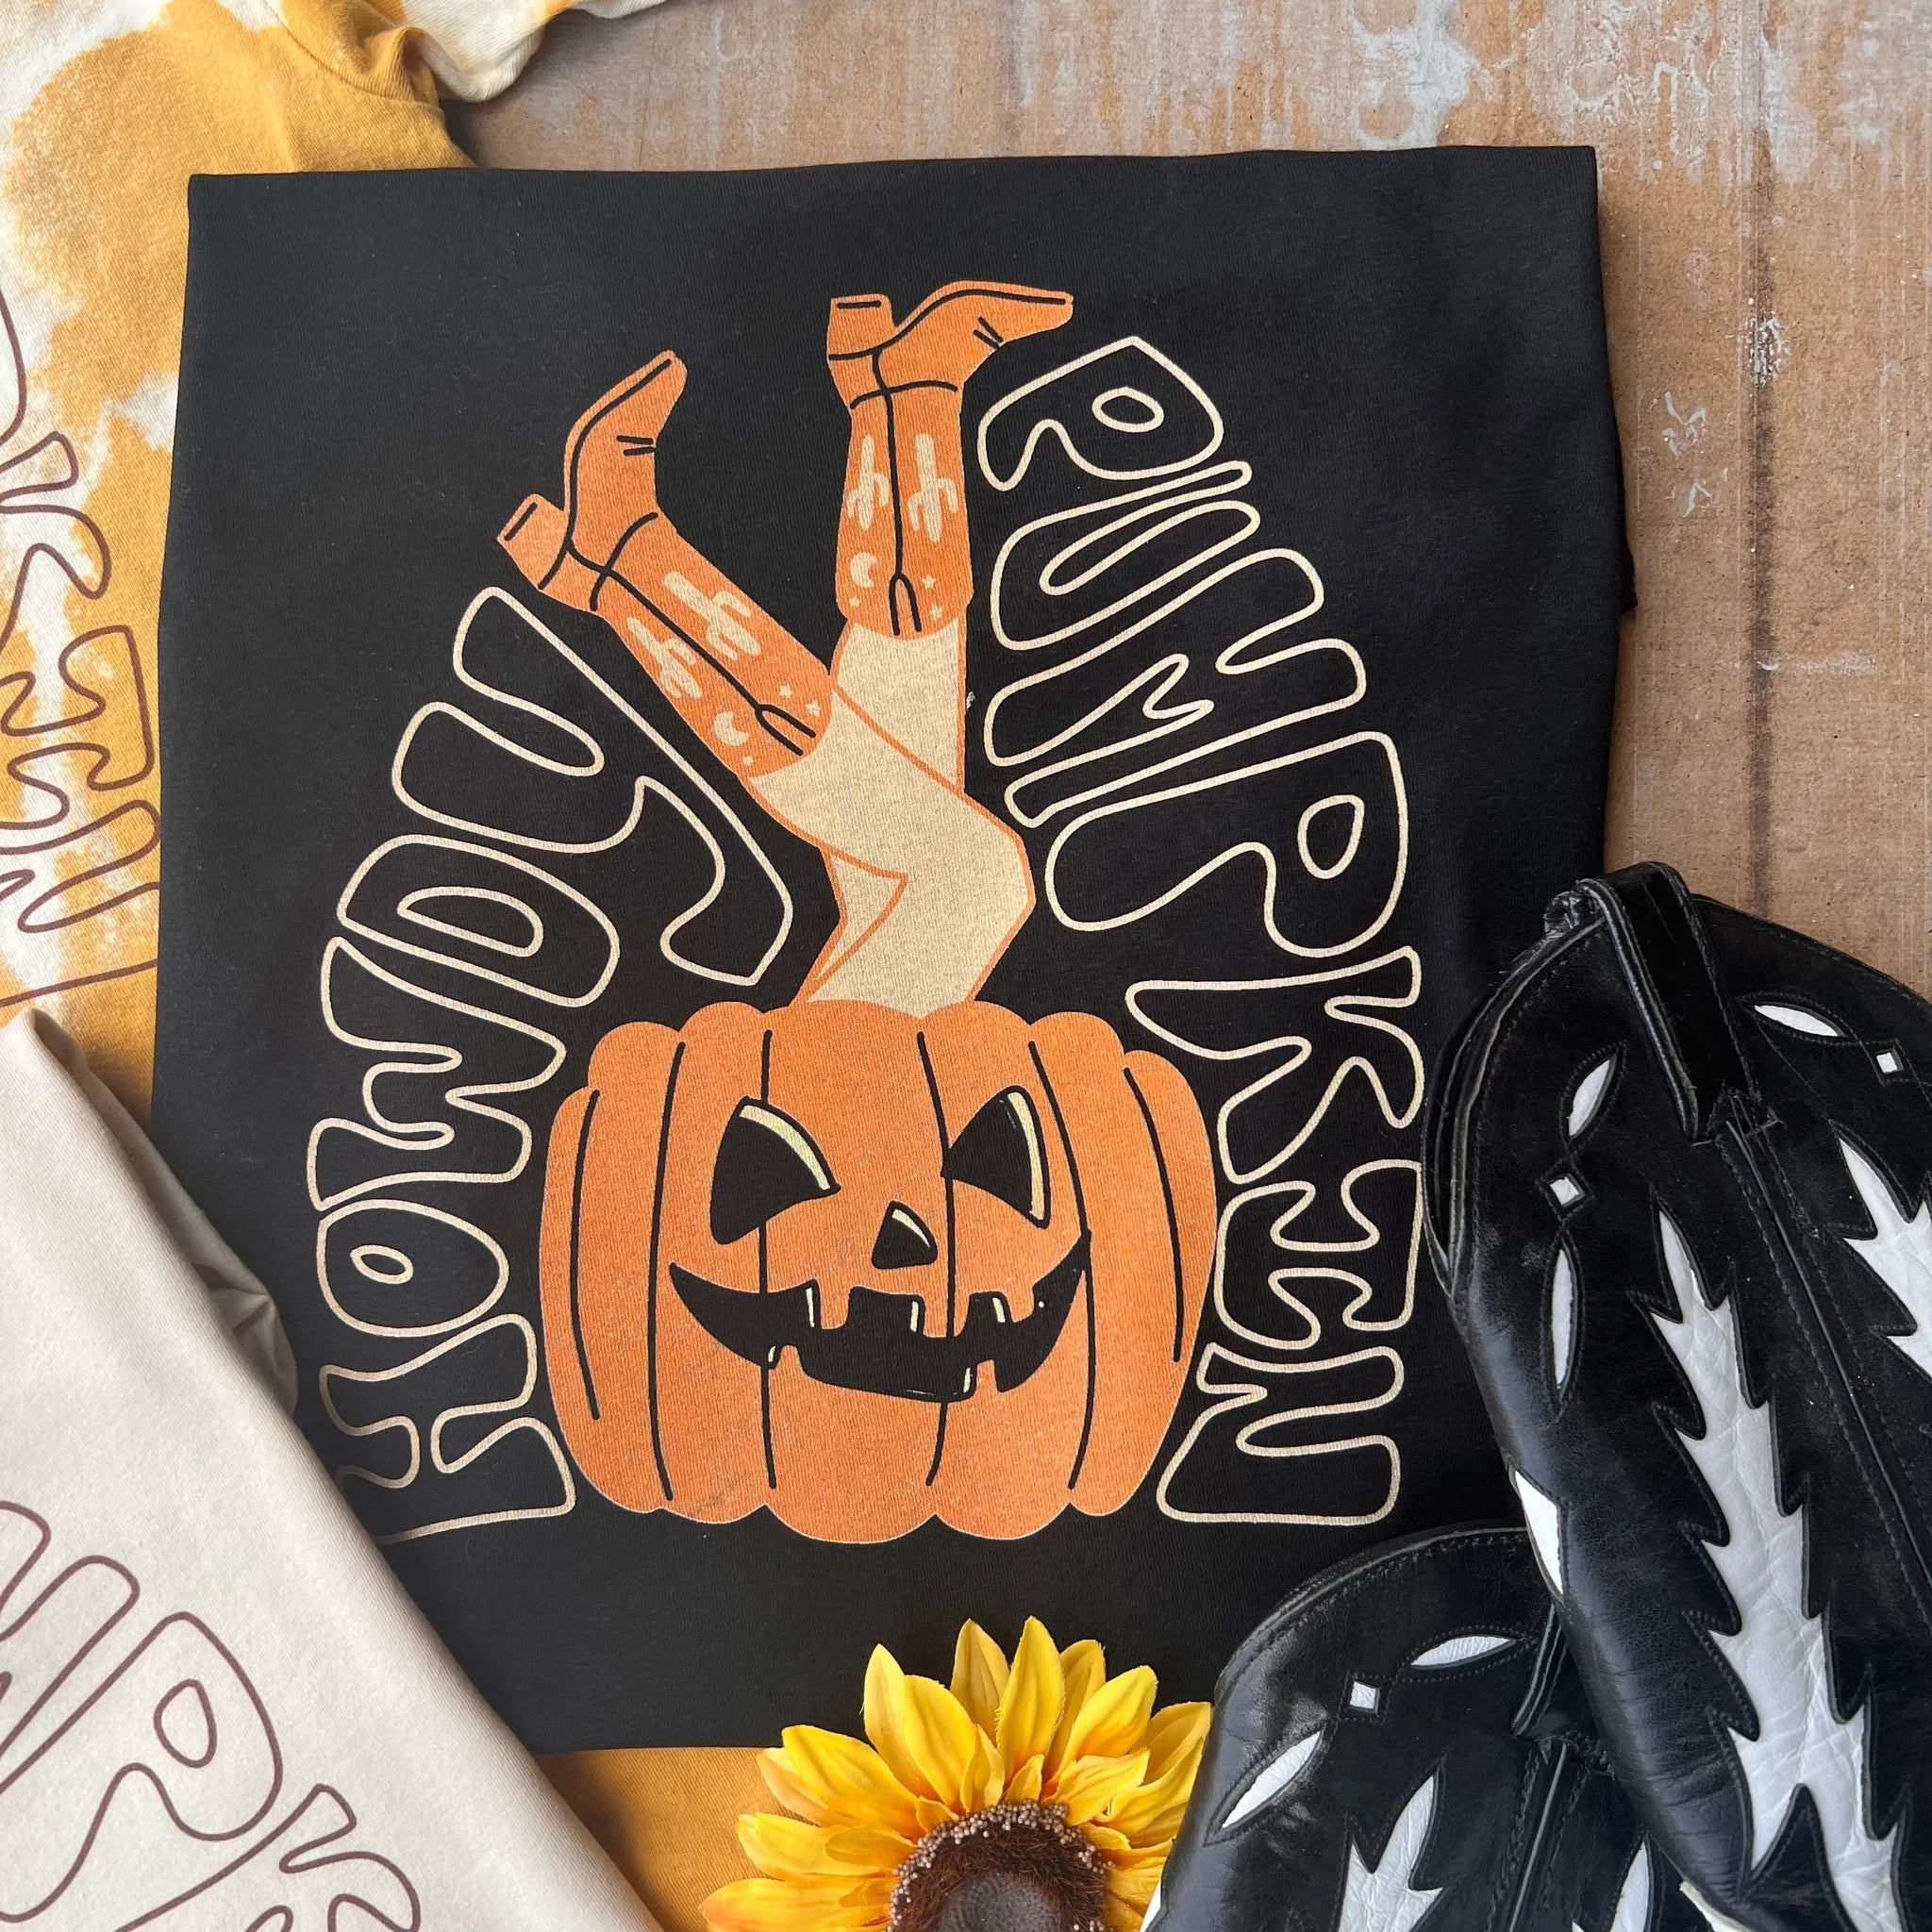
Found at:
<point>889,1250</point>
<point>143,1780</point>
<point>888,1214</point>
<point>78,829</point>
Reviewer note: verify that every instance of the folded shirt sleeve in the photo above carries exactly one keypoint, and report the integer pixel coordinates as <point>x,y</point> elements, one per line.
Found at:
<point>241,1303</point>
<point>470,49</point>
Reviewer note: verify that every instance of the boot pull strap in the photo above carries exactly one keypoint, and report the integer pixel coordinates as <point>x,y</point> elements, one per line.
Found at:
<point>1665,953</point>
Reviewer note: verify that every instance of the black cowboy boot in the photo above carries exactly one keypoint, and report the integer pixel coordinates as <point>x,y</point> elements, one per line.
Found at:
<point>1405,1743</point>
<point>1678,1171</point>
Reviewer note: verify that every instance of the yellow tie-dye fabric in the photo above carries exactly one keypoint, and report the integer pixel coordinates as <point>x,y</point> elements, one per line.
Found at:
<point>107,107</point>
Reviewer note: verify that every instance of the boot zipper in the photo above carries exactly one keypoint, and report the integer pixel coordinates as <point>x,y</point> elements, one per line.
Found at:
<point>1558,1771</point>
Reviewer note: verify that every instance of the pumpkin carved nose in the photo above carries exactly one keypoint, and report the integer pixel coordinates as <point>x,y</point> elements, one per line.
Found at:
<point>904,1241</point>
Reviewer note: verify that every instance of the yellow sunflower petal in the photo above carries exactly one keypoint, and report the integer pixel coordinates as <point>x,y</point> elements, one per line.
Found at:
<point>1133,1883</point>
<point>850,1781</point>
<point>783,1905</point>
<point>1113,1720</point>
<point>1129,1894</point>
<point>986,1777</point>
<point>1084,1664</point>
<point>1109,1843</point>
<point>866,1848</point>
<point>1088,1788</point>
<point>790,1790</point>
<point>979,1675</point>
<point>1083,1669</point>
<point>887,1712</point>
<point>872,1896</point>
<point>782,1847</point>
<point>1179,1728</point>
<point>1024,1784</point>
<point>1030,1705</point>
<point>930,1813</point>
<point>1153,1811</point>
<point>943,1740</point>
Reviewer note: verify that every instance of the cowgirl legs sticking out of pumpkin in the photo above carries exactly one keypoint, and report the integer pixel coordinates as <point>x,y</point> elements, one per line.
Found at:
<point>888,1251</point>
<point>865,760</point>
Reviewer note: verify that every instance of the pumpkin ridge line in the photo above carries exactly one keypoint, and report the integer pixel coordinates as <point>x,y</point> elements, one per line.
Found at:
<point>576,1222</point>
<point>938,1114</point>
<point>651,1286</point>
<point>1059,1121</point>
<point>765,1283</point>
<point>1173,1230</point>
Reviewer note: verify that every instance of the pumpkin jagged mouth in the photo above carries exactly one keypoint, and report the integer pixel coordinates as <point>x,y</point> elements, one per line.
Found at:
<point>881,1346</point>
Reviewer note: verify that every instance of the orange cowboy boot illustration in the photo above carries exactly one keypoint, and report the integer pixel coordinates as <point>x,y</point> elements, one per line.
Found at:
<point>905,564</point>
<point>913,573</point>
<point>865,760</point>
<point>866,1218</point>
<point>749,689</point>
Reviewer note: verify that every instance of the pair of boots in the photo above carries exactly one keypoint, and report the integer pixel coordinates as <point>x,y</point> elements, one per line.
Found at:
<point>863,757</point>
<point>1677,1172</point>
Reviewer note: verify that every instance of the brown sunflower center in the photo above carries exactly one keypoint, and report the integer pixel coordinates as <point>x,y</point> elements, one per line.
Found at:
<point>1017,1867</point>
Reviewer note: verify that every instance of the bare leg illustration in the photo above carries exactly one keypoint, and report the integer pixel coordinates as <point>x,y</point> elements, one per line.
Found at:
<point>865,760</point>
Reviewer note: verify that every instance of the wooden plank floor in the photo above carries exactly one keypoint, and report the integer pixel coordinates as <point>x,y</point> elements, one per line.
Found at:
<point>1767,178</point>
<point>1767,181</point>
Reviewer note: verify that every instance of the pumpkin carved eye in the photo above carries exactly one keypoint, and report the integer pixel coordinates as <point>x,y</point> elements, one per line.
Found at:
<point>766,1163</point>
<point>1001,1151</point>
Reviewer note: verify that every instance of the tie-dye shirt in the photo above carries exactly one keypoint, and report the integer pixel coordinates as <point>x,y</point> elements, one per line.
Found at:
<point>107,107</point>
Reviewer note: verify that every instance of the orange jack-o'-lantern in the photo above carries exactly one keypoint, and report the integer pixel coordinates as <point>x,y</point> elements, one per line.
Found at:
<point>864,1269</point>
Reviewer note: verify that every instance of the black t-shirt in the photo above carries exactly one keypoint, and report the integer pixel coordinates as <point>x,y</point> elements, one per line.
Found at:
<point>817,827</point>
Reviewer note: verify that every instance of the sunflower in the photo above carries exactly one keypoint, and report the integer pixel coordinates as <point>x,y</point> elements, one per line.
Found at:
<point>1043,1791</point>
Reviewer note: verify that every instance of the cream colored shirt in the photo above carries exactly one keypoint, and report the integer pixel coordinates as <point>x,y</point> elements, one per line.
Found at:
<point>217,1705</point>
